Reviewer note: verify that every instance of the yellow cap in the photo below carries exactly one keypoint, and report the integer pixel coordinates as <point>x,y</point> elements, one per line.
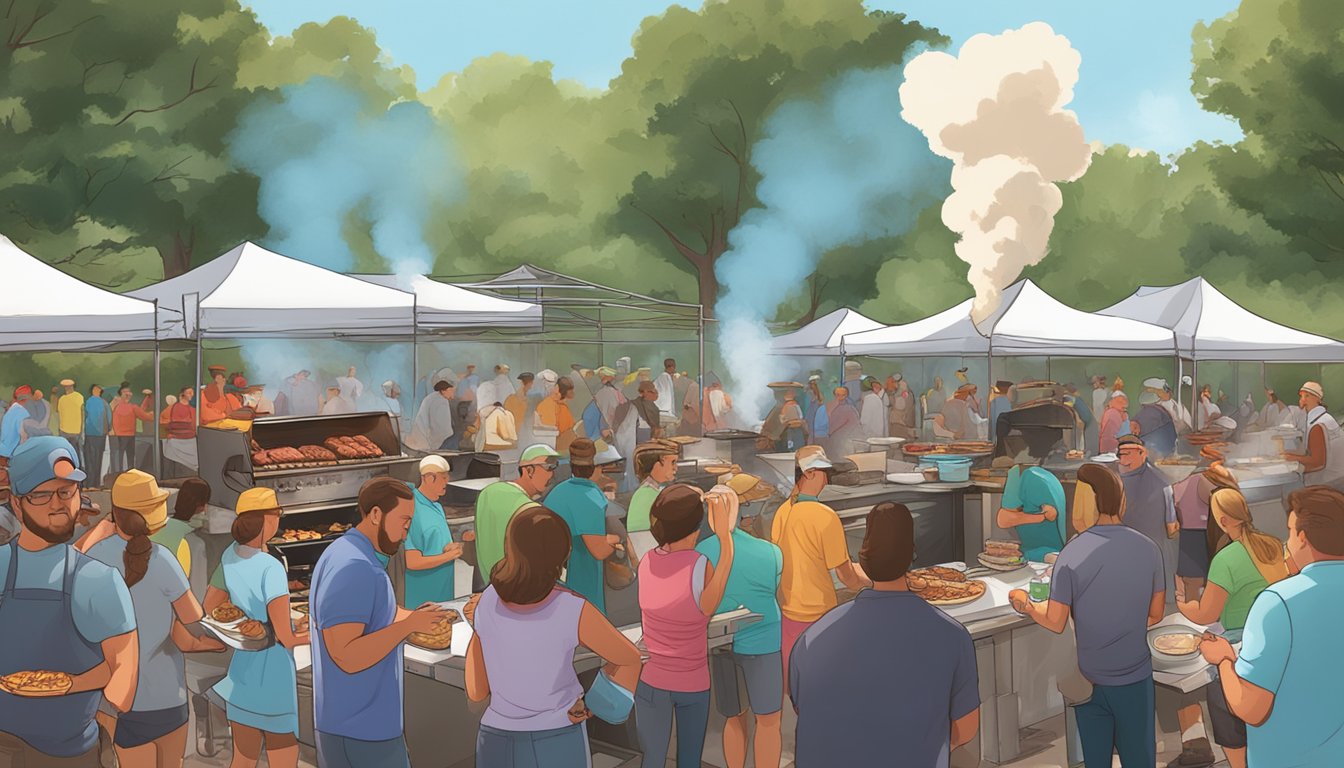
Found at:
<point>140,493</point>
<point>257,500</point>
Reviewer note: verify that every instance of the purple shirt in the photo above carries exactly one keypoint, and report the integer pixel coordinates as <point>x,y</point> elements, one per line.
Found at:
<point>529,660</point>
<point>1192,505</point>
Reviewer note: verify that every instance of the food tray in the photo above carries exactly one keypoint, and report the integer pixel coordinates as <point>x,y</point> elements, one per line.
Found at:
<point>906,478</point>
<point>993,566</point>
<point>230,636</point>
<point>1168,659</point>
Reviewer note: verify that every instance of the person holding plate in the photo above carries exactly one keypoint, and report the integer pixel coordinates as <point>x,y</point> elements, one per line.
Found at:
<point>261,688</point>
<point>1033,507</point>
<point>65,615</point>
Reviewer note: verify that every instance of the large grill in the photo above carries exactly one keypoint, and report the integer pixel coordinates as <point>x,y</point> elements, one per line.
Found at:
<point>226,459</point>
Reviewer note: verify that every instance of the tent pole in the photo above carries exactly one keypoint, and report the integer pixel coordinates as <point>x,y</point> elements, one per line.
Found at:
<point>196,331</point>
<point>415,350</point>
<point>700,350</point>
<point>158,383</point>
<point>1196,410</point>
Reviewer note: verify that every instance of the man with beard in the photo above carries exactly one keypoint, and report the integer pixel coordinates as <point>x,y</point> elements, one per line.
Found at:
<point>63,612</point>
<point>357,645</point>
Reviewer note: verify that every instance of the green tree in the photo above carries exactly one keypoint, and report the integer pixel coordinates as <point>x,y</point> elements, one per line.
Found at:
<point>707,80</point>
<point>1277,68</point>
<point>116,117</point>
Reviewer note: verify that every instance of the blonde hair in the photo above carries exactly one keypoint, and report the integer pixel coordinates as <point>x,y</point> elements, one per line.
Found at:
<point>1265,550</point>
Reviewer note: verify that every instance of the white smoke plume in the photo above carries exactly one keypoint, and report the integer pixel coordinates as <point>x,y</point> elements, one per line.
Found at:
<point>997,111</point>
<point>837,168</point>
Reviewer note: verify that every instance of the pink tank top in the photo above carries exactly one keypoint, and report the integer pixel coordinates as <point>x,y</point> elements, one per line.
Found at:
<point>675,629</point>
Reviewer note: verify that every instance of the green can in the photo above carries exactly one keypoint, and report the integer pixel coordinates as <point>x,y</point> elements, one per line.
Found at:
<point>1039,589</point>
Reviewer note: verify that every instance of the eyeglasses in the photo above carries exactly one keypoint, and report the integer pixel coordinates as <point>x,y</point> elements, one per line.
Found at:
<point>43,498</point>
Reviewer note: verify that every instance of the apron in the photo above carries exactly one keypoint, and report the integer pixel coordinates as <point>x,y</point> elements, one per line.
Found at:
<point>60,726</point>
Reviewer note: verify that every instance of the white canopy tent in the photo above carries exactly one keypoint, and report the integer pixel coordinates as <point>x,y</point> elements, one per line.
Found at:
<point>441,306</point>
<point>251,292</point>
<point>822,337</point>
<point>1209,326</point>
<point>949,333</point>
<point>46,309</point>
<point>1031,322</point>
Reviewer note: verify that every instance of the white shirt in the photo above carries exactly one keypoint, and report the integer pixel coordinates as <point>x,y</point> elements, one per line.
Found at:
<point>666,393</point>
<point>873,416</point>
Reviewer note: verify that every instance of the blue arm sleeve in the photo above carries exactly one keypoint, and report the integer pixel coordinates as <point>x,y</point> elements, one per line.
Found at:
<point>346,597</point>
<point>1266,642</point>
<point>101,603</point>
<point>965,680</point>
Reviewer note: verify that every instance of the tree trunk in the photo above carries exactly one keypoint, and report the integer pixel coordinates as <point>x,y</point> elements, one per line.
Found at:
<point>709,286</point>
<point>176,254</point>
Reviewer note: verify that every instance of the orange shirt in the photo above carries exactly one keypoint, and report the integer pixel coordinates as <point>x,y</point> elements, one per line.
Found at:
<point>555,413</point>
<point>216,405</point>
<point>124,415</point>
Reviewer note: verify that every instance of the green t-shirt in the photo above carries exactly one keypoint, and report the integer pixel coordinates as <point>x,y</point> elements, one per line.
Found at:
<point>1233,570</point>
<point>495,507</point>
<point>428,535</point>
<point>637,516</point>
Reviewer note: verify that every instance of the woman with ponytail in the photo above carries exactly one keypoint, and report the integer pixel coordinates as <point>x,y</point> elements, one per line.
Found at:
<point>154,731</point>
<point>1246,563</point>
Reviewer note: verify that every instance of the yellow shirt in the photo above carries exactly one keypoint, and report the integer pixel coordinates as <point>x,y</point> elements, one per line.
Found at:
<point>70,410</point>
<point>812,539</point>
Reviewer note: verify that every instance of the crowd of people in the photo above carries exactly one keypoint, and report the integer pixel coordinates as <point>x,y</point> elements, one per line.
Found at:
<point>1128,550</point>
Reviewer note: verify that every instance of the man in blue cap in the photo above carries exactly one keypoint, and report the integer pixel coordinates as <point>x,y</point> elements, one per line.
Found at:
<point>76,613</point>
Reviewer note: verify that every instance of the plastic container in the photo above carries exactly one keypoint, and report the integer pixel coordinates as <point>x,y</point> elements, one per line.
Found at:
<point>951,469</point>
<point>1039,588</point>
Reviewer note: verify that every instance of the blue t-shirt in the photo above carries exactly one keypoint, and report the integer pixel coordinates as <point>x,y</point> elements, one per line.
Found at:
<point>1028,491</point>
<point>1291,648</point>
<point>881,677</point>
<point>351,586</point>
<point>753,584</point>
<point>1108,575</point>
<point>99,599</point>
<point>583,507</point>
<point>95,416</point>
<point>11,429</point>
<point>428,535</point>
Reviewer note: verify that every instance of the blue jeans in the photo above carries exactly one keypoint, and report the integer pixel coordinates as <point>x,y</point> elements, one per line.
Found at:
<point>344,752</point>
<point>654,711</point>
<point>1119,718</point>
<point>556,748</point>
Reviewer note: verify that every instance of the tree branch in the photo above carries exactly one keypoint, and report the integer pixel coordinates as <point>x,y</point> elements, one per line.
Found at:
<point>1326,181</point>
<point>741,167</point>
<point>192,90</point>
<point>89,177</point>
<point>696,258</point>
<point>161,177</point>
<point>15,43</point>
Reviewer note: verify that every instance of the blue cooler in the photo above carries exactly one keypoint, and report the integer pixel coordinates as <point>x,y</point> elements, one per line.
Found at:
<point>951,469</point>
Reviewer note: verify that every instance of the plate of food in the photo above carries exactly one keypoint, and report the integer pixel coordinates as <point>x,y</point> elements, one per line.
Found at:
<point>1175,643</point>
<point>37,683</point>
<point>1002,555</point>
<point>440,639</point>
<point>227,615</point>
<point>469,610</point>
<point>946,592</point>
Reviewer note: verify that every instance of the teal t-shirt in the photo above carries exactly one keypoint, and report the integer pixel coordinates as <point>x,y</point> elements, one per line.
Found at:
<point>1234,571</point>
<point>1291,649</point>
<point>753,584</point>
<point>583,507</point>
<point>1029,491</point>
<point>428,535</point>
<point>641,503</point>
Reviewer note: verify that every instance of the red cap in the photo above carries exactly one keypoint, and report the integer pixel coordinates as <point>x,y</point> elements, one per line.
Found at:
<point>23,391</point>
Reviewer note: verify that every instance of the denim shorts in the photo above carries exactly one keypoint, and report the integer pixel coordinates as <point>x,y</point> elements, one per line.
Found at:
<point>344,752</point>
<point>762,676</point>
<point>135,729</point>
<point>555,748</point>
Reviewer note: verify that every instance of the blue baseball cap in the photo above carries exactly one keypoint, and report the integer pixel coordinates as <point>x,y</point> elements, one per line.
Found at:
<point>34,463</point>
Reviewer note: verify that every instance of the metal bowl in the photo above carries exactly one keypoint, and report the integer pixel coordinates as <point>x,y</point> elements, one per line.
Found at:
<point>1176,629</point>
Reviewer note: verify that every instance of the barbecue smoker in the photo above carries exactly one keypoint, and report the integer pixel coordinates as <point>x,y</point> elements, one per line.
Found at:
<point>318,497</point>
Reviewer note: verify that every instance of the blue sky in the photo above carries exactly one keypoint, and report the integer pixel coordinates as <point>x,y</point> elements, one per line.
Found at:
<point>1134,87</point>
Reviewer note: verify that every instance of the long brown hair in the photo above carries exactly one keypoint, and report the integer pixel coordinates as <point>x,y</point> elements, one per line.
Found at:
<point>194,493</point>
<point>536,548</point>
<point>1266,551</point>
<point>138,549</point>
<point>249,525</point>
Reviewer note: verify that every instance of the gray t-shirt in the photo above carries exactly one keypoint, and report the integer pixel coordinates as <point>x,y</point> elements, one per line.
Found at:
<point>162,682</point>
<point>1108,576</point>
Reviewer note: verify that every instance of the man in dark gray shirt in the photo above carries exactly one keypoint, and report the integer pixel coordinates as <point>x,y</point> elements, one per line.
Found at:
<point>1109,578</point>
<point>886,679</point>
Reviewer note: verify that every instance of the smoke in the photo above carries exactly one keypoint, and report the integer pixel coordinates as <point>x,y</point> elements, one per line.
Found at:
<point>837,169</point>
<point>323,154</point>
<point>997,111</point>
